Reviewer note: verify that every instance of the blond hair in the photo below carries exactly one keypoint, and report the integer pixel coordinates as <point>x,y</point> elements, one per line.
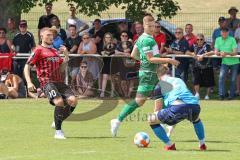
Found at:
<point>162,69</point>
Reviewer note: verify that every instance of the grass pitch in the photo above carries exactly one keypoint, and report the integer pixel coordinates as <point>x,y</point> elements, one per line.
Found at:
<point>25,133</point>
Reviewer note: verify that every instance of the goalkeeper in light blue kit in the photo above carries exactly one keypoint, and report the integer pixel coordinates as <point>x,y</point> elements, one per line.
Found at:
<point>179,104</point>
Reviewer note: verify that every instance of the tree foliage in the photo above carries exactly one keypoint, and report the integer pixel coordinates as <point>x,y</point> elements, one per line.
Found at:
<point>134,8</point>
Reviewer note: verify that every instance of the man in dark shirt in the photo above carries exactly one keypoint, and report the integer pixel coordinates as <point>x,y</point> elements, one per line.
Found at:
<point>44,20</point>
<point>179,47</point>
<point>98,34</point>
<point>23,43</point>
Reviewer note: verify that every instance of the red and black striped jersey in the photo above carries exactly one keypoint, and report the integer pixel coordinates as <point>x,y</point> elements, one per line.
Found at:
<point>47,62</point>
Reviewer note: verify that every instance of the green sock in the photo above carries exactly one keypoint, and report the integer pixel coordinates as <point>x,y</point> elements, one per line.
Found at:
<point>128,109</point>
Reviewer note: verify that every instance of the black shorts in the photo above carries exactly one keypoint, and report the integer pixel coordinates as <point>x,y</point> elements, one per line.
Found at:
<point>57,89</point>
<point>203,77</point>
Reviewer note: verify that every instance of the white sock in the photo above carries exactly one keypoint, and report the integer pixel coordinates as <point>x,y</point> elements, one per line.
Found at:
<point>201,142</point>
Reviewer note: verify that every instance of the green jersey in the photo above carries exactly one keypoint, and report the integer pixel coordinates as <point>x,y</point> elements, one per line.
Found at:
<point>147,73</point>
<point>147,44</point>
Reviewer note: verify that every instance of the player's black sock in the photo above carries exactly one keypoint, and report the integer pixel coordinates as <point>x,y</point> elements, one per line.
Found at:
<point>58,117</point>
<point>67,111</point>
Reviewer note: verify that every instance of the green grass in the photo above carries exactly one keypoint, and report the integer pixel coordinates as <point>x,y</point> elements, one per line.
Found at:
<point>25,134</point>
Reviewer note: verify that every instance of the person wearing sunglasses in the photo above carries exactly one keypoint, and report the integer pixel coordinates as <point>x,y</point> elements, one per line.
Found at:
<point>128,70</point>
<point>87,46</point>
<point>180,47</point>
<point>84,81</point>
<point>203,75</point>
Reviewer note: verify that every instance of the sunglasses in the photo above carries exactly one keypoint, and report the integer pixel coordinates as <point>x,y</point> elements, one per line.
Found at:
<point>157,26</point>
<point>124,35</point>
<point>83,66</point>
<point>200,39</point>
<point>178,32</point>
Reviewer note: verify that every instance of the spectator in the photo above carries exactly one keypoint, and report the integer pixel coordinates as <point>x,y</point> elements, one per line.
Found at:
<point>87,46</point>
<point>180,47</point>
<point>108,49</point>
<point>57,40</point>
<point>127,69</point>
<point>139,30</point>
<point>11,29</point>
<point>23,43</point>
<point>123,26</point>
<point>97,34</point>
<point>233,21</point>
<point>73,20</point>
<point>226,45</point>
<point>84,81</point>
<point>72,43</point>
<point>217,32</point>
<point>189,36</point>
<point>159,37</point>
<point>202,67</point>
<point>5,44</point>
<point>61,32</point>
<point>237,37</point>
<point>16,87</point>
<point>45,20</point>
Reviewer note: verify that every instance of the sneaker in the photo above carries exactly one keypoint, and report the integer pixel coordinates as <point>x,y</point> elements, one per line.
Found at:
<point>203,147</point>
<point>53,125</point>
<point>115,123</point>
<point>102,95</point>
<point>170,148</point>
<point>59,135</point>
<point>206,97</point>
<point>197,95</point>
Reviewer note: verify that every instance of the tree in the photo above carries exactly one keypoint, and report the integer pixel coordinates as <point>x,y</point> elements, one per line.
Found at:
<point>134,8</point>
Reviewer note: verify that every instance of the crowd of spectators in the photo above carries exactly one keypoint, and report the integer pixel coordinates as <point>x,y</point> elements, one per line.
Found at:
<point>89,75</point>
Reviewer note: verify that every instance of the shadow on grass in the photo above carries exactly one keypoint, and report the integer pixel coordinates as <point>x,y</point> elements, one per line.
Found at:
<point>101,137</point>
<point>209,141</point>
<point>208,150</point>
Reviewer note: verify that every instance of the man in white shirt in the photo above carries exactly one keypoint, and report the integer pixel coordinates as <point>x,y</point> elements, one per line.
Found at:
<point>73,20</point>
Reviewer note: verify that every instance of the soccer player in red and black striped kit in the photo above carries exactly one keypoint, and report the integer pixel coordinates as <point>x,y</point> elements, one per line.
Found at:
<point>50,67</point>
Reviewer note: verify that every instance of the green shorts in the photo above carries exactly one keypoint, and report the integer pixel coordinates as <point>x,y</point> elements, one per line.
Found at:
<point>147,83</point>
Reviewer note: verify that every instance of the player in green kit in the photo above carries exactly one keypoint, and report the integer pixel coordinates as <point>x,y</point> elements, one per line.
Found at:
<point>146,50</point>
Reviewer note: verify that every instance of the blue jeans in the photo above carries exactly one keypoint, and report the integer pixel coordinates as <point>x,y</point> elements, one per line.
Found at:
<point>223,72</point>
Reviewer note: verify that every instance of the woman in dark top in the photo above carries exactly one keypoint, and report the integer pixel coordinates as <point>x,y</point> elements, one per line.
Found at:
<point>202,67</point>
<point>127,65</point>
<point>5,44</point>
<point>108,50</point>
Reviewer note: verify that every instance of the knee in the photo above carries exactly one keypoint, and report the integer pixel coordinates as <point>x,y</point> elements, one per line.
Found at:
<point>72,101</point>
<point>58,102</point>
<point>140,101</point>
<point>153,119</point>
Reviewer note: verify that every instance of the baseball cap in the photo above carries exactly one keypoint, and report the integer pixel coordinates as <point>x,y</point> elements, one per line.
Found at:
<point>232,8</point>
<point>23,23</point>
<point>221,19</point>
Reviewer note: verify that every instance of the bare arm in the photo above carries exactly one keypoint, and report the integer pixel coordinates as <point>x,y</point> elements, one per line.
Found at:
<point>15,83</point>
<point>135,53</point>
<point>30,85</point>
<point>158,105</point>
<point>158,60</point>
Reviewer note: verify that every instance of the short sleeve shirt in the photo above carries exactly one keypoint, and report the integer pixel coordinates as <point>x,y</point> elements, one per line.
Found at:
<point>227,45</point>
